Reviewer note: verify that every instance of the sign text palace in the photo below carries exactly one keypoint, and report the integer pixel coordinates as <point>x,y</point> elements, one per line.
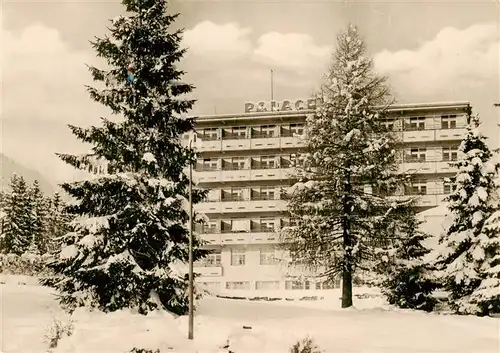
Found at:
<point>283,106</point>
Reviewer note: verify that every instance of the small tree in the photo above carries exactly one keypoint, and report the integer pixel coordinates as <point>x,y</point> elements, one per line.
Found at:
<point>128,243</point>
<point>411,279</point>
<point>17,217</point>
<point>57,223</point>
<point>469,253</point>
<point>340,204</point>
<point>38,205</point>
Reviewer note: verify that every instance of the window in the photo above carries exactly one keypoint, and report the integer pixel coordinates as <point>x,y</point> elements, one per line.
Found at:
<point>263,193</point>
<point>238,285</point>
<point>210,227</point>
<point>211,260</point>
<point>417,188</point>
<point>294,285</point>
<point>448,121</point>
<point>449,187</point>
<point>416,154</point>
<point>297,129</point>
<point>329,284</point>
<point>237,257</point>
<point>209,134</point>
<point>211,285</point>
<point>268,257</point>
<point>388,124</point>
<point>235,132</point>
<point>384,190</point>
<point>267,224</point>
<point>267,285</point>
<point>234,163</point>
<point>232,194</point>
<point>450,153</point>
<point>264,131</point>
<point>416,123</point>
<point>267,162</point>
<point>286,161</point>
<point>210,164</point>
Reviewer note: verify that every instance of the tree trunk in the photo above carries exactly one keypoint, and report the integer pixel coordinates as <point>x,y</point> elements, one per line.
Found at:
<point>346,289</point>
<point>347,240</point>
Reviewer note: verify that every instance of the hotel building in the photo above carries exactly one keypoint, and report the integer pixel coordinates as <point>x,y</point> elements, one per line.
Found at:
<point>245,161</point>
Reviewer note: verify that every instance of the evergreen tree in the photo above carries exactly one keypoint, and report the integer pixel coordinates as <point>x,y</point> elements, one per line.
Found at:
<point>339,223</point>
<point>470,249</point>
<point>57,222</point>
<point>38,219</point>
<point>17,220</point>
<point>129,240</point>
<point>411,280</point>
<point>3,199</point>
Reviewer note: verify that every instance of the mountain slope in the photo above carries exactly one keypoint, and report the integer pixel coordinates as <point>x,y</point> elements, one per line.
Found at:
<point>9,166</point>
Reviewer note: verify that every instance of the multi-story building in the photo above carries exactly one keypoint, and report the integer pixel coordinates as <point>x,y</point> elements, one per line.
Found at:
<point>245,161</point>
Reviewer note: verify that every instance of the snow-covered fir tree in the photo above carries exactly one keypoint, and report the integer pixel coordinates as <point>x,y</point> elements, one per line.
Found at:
<point>129,241</point>
<point>38,206</point>
<point>338,222</point>
<point>57,222</point>
<point>410,279</point>
<point>17,233</point>
<point>469,252</point>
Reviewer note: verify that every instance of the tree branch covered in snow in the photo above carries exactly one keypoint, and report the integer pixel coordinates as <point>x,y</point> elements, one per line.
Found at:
<point>340,206</point>
<point>129,239</point>
<point>469,252</point>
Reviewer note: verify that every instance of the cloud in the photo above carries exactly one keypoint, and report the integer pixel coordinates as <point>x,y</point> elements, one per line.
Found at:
<point>292,51</point>
<point>455,61</point>
<point>42,91</point>
<point>40,70</point>
<point>220,42</point>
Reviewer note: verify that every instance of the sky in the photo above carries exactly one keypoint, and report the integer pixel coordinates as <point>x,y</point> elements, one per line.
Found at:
<point>429,50</point>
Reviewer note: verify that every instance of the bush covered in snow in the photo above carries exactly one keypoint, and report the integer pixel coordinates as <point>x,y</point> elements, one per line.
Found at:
<point>25,264</point>
<point>56,332</point>
<point>307,345</point>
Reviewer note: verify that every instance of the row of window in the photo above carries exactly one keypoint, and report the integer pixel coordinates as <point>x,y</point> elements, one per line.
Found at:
<point>243,132</point>
<point>420,154</point>
<point>417,123</point>
<point>258,193</point>
<point>240,163</point>
<point>413,154</point>
<point>297,129</point>
<point>274,285</point>
<point>243,225</point>
<point>238,258</point>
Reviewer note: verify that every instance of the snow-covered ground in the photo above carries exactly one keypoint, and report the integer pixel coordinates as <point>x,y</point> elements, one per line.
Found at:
<point>28,310</point>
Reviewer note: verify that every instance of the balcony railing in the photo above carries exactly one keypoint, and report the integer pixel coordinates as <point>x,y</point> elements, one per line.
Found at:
<point>260,134</point>
<point>263,197</point>
<point>208,137</point>
<point>233,136</point>
<point>230,231</point>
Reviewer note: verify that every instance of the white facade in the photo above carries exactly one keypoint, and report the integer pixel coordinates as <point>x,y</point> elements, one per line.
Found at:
<point>245,161</point>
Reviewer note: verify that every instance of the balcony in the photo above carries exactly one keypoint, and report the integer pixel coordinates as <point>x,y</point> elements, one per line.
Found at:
<point>210,145</point>
<point>418,168</point>
<point>256,173</point>
<point>423,200</point>
<point>241,206</point>
<point>241,142</point>
<point>226,237</point>
<point>451,134</point>
<point>208,271</point>
<point>418,135</point>
<point>236,144</point>
<point>264,142</point>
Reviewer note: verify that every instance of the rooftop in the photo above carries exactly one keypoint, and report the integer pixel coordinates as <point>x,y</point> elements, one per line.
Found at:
<point>291,113</point>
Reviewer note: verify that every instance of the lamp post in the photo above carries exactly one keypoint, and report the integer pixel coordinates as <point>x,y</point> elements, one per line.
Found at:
<point>191,275</point>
